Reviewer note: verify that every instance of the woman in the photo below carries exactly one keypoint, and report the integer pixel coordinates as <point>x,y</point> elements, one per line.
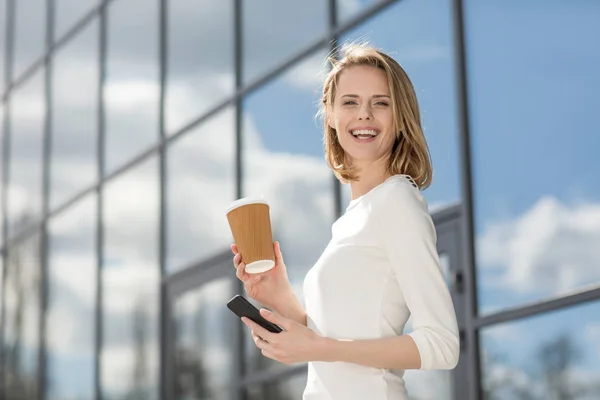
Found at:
<point>381,265</point>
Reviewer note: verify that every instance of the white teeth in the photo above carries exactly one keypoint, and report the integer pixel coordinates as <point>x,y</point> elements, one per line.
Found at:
<point>364,132</point>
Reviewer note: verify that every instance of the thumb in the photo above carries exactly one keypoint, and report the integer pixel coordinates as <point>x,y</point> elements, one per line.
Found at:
<point>276,319</point>
<point>278,255</point>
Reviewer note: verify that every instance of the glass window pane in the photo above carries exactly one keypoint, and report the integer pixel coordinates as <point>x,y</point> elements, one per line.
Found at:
<point>28,113</point>
<point>30,34</point>
<point>537,213</point>
<point>289,388</point>
<point>200,60</point>
<point>348,9</point>
<point>204,362</point>
<point>276,30</point>
<point>21,318</point>
<point>131,90</point>
<point>131,281</point>
<point>418,34</point>
<point>550,356</point>
<point>285,164</point>
<point>71,315</point>
<point>68,12</point>
<point>74,116</point>
<point>201,183</point>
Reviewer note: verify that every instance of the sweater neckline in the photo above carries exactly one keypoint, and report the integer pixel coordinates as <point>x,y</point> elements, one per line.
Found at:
<point>357,200</point>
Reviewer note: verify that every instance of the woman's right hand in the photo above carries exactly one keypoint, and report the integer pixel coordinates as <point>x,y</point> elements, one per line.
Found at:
<point>267,287</point>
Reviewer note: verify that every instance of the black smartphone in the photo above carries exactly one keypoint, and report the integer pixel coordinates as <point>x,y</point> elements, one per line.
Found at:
<point>243,308</point>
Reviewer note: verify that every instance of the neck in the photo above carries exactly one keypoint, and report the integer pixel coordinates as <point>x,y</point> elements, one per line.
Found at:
<point>369,177</point>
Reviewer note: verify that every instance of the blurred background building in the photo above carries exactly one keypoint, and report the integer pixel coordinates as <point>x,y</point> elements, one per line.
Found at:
<point>128,126</point>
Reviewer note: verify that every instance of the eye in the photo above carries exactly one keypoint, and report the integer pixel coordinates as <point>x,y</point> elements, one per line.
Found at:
<point>381,103</point>
<point>348,102</point>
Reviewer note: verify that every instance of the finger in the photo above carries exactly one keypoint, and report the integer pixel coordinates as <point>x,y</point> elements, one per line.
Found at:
<point>276,319</point>
<point>242,274</point>
<point>237,259</point>
<point>278,255</point>
<point>234,249</point>
<point>268,355</point>
<point>259,330</point>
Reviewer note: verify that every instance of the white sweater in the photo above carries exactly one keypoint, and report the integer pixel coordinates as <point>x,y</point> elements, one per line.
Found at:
<point>380,267</point>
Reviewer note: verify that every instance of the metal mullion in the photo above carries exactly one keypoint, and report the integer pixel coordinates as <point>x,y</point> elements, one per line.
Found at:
<point>46,159</point>
<point>9,44</point>
<point>584,295</point>
<point>474,390</point>
<point>8,34</point>
<point>99,189</point>
<point>337,185</point>
<point>238,56</point>
<point>166,367</point>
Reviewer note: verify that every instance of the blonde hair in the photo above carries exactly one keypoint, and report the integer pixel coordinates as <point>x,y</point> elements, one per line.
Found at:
<point>410,153</point>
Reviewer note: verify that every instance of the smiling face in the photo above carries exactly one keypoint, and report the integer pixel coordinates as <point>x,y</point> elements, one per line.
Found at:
<point>362,115</point>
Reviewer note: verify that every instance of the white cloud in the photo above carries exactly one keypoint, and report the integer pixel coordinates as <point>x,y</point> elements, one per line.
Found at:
<point>551,248</point>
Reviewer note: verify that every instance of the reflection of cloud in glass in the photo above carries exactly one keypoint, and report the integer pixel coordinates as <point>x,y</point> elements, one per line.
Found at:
<point>29,34</point>
<point>543,362</point>
<point>131,90</point>
<point>204,360</point>
<point>74,116</point>
<point>28,113</point>
<point>71,311</point>
<point>263,50</point>
<point>130,278</point>
<point>200,59</point>
<point>68,12</point>
<point>201,183</point>
<point>549,249</point>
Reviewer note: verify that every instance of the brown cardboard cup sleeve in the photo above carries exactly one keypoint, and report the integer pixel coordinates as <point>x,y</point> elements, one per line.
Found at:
<point>250,223</point>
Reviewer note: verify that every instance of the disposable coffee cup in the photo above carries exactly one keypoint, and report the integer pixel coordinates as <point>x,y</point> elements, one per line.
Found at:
<point>250,224</point>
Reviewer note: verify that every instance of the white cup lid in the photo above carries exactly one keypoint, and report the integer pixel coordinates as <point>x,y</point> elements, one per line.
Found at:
<point>245,201</point>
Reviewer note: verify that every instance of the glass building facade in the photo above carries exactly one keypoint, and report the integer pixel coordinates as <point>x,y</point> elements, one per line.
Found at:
<point>128,126</point>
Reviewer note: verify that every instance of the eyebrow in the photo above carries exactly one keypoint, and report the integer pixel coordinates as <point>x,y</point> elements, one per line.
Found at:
<point>357,96</point>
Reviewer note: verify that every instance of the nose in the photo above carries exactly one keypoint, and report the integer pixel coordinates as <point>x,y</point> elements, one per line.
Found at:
<point>365,113</point>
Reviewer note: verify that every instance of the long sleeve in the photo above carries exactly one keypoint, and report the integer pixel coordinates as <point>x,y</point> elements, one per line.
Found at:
<point>409,239</point>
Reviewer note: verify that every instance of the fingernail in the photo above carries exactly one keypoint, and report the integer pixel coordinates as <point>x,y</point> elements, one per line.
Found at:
<point>265,311</point>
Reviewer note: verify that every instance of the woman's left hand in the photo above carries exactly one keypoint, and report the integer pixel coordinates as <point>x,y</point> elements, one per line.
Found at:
<point>295,344</point>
